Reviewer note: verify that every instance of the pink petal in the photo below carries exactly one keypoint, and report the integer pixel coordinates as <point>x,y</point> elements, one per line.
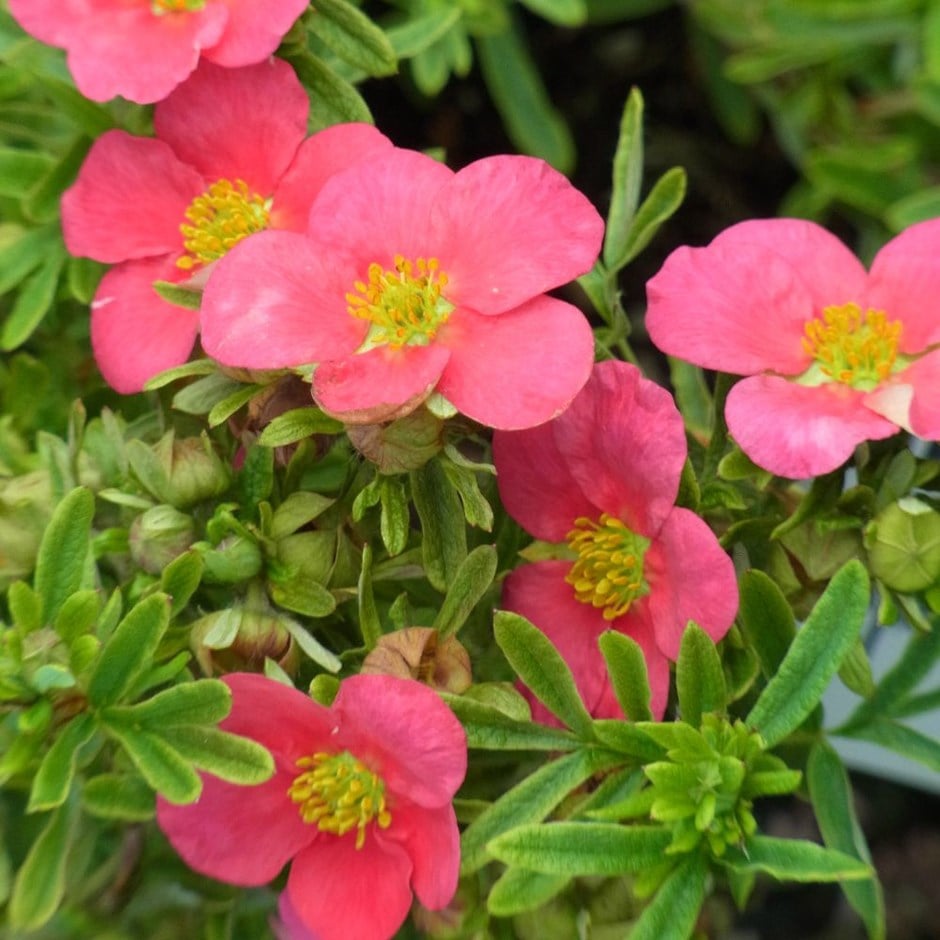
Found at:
<point>515,229</point>
<point>624,441</point>
<point>828,270</point>
<point>691,578</point>
<point>922,379</point>
<point>432,841</point>
<point>135,333</point>
<point>234,124</point>
<point>241,835</point>
<point>905,284</point>
<point>499,376</point>
<point>799,431</point>
<point>120,172</point>
<point>341,893</point>
<point>123,49</point>
<point>290,927</point>
<point>263,307</point>
<point>535,483</point>
<point>380,208</point>
<point>255,29</point>
<point>51,21</point>
<point>738,308</point>
<point>318,158</point>
<point>403,731</point>
<point>379,385</point>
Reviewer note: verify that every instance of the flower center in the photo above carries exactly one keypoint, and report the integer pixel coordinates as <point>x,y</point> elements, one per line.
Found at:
<point>405,305</point>
<point>339,793</point>
<point>851,347</point>
<point>219,219</point>
<point>161,7</point>
<point>609,569</point>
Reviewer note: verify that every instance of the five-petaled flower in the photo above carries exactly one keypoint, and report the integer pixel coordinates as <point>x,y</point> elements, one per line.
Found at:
<point>603,478</point>
<point>143,49</point>
<point>833,355</point>
<point>230,158</point>
<point>360,804</point>
<point>412,279</point>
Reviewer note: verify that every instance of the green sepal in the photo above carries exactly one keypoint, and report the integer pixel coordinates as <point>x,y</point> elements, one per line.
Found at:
<point>473,579</point>
<point>794,860</point>
<point>129,650</point>
<point>179,296</point>
<point>700,679</point>
<point>540,666</point>
<point>629,678</point>
<point>53,779</point>
<point>121,797</point>
<point>817,651</point>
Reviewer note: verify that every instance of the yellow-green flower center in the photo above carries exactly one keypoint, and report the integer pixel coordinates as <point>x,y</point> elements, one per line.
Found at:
<point>609,570</point>
<point>161,7</point>
<point>404,305</point>
<point>219,219</point>
<point>855,348</point>
<point>339,793</point>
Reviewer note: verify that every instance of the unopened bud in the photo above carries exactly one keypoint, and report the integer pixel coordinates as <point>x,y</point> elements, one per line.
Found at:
<point>159,535</point>
<point>903,543</point>
<point>233,560</point>
<point>241,640</point>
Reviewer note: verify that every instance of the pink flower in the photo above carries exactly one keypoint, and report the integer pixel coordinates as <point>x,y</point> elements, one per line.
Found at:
<point>833,355</point>
<point>143,49</point>
<point>230,158</point>
<point>360,804</point>
<point>603,478</point>
<point>413,279</point>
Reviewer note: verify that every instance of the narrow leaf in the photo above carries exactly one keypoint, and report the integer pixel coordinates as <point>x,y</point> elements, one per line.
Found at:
<point>795,860</point>
<point>370,626</point>
<point>663,200</point>
<point>53,780</point>
<point>700,680</point>
<point>119,796</point>
<point>297,424</point>
<point>180,579</point>
<point>766,619</point>
<point>815,655</point>
<point>177,295</point>
<point>312,647</point>
<point>444,535</point>
<point>349,33</point>
<point>627,177</point>
<point>582,848</point>
<point>473,579</point>
<point>629,678</point>
<point>902,740</point>
<point>673,912</point>
<point>519,890</point>
<point>129,650</point>
<point>32,302</point>
<point>540,666</point>
<point>227,756</point>
<point>204,701</point>
<point>490,729</point>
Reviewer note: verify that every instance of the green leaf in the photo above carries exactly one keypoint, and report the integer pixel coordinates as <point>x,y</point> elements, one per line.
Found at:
<point>20,170</point>
<point>582,848</point>
<point>518,890</point>
<point>444,535</point>
<point>831,795</point>
<point>660,205</point>
<point>516,87</point>
<point>488,728</point>
<point>673,912</point>
<point>626,737</point>
<point>626,666</point>
<point>418,33</point>
<point>129,650</point>
<point>311,647</point>
<point>227,756</point>
<point>63,552</point>
<point>473,579</point>
<point>40,883</point>
<point>303,595</point>
<point>627,178</point>
<point>296,511</point>
<point>560,12</point>
<point>78,615</point>
<point>53,780</point>
<point>179,296</point>
<point>204,394</point>
<point>395,518</point>
<point>204,701</point>
<point>540,666</point>
<point>476,508</point>
<point>337,101</point>
<point>817,651</point>
<point>185,371</point>
<point>24,252</point>
<point>297,424</point>
<point>795,860</point>
<point>349,33</point>
<point>223,410</point>
<point>700,680</point>
<point>529,801</point>
<point>41,203</point>
<point>120,797</point>
<point>766,619</point>
<point>32,302</point>
<point>370,626</point>
<point>180,579</point>
<point>901,739</point>
<point>160,764</point>
<point>855,671</point>
<point>25,606</point>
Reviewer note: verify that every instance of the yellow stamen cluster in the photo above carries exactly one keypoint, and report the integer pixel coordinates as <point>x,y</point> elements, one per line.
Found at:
<point>160,7</point>
<point>405,305</point>
<point>851,347</point>
<point>339,793</point>
<point>219,219</point>
<point>609,570</point>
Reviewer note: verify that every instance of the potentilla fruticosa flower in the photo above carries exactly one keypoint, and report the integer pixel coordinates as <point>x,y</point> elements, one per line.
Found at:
<point>833,355</point>
<point>231,157</point>
<point>601,481</point>
<point>412,279</point>
<point>360,804</point>
<point>142,49</point>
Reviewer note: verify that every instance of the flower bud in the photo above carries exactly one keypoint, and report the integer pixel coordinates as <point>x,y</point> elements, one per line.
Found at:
<point>903,543</point>
<point>240,640</point>
<point>25,508</point>
<point>159,535</point>
<point>419,653</point>
<point>180,472</point>
<point>234,559</point>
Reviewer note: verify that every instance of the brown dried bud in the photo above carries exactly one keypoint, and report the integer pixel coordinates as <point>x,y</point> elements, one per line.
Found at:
<point>419,653</point>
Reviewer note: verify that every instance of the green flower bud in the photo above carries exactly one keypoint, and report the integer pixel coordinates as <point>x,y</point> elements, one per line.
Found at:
<point>233,560</point>
<point>240,640</point>
<point>159,535</point>
<point>25,509</point>
<point>180,472</point>
<point>903,543</point>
